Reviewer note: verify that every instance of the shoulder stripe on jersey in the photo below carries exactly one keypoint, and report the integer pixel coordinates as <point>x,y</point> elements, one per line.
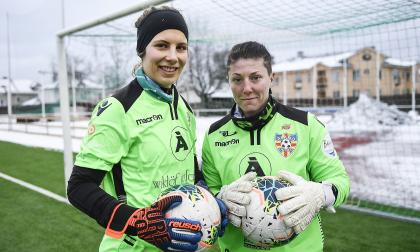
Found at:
<point>176,97</point>
<point>319,121</point>
<point>186,104</point>
<point>292,113</point>
<point>216,125</point>
<point>128,94</point>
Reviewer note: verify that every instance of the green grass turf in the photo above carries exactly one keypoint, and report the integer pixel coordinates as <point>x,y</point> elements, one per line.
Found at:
<point>36,166</point>
<point>350,231</point>
<point>32,222</point>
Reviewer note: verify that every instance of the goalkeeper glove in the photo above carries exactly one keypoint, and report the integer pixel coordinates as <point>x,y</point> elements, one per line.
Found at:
<point>235,196</point>
<point>223,213</point>
<point>303,200</point>
<point>150,225</point>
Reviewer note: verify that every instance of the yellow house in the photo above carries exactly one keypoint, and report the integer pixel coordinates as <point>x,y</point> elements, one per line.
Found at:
<point>345,74</point>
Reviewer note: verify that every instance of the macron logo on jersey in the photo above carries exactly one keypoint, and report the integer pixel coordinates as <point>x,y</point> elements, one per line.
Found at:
<point>149,119</point>
<point>226,143</point>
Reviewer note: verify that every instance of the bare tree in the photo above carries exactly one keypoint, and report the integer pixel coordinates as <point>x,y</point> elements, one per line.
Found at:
<point>206,70</point>
<point>82,69</point>
<point>116,71</point>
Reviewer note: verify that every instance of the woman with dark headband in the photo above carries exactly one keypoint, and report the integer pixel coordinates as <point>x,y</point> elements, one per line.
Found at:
<point>140,141</point>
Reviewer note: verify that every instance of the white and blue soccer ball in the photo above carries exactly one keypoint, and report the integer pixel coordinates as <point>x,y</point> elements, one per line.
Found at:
<point>200,205</point>
<point>263,227</point>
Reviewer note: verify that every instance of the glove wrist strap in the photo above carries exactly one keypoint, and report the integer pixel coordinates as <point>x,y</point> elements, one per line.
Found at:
<point>119,221</point>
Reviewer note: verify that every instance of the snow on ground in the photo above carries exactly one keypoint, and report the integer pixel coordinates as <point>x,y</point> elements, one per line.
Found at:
<point>368,114</point>
<point>380,148</point>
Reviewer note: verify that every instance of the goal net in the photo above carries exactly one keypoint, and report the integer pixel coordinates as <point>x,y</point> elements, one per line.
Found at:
<point>354,63</point>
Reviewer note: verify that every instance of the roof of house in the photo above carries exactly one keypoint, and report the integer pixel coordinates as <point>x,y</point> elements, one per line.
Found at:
<point>19,86</point>
<point>310,62</point>
<point>88,83</point>
<point>298,64</point>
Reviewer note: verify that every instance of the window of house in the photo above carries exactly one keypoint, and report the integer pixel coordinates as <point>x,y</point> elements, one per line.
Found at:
<point>380,74</point>
<point>335,76</point>
<point>18,99</point>
<point>396,76</point>
<point>407,76</point>
<point>366,71</point>
<point>298,94</point>
<point>356,92</point>
<point>309,76</point>
<point>356,74</point>
<point>298,77</point>
<point>336,94</point>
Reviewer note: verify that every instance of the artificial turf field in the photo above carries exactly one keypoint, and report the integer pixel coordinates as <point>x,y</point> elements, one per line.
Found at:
<point>30,221</point>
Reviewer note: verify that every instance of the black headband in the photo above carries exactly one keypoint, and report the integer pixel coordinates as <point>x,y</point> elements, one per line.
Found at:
<point>156,22</point>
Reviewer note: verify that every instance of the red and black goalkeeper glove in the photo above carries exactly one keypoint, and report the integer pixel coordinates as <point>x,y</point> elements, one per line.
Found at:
<point>150,225</point>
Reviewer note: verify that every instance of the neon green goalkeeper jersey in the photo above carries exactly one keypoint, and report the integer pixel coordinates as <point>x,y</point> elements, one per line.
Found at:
<point>291,140</point>
<point>151,143</point>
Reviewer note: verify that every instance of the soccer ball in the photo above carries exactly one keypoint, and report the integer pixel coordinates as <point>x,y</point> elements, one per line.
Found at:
<point>200,205</point>
<point>263,226</point>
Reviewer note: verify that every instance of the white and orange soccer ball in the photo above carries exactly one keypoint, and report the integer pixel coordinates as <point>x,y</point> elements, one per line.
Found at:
<point>200,205</point>
<point>263,226</point>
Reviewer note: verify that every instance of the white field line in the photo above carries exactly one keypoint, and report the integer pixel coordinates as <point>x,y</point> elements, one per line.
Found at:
<point>35,188</point>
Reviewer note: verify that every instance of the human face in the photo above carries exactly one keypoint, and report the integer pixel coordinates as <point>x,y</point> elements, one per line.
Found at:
<point>165,57</point>
<point>250,83</point>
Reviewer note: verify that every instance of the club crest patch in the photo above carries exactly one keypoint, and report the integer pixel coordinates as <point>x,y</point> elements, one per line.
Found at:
<point>286,143</point>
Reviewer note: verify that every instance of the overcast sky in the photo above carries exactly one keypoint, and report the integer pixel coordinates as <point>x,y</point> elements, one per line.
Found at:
<point>33,25</point>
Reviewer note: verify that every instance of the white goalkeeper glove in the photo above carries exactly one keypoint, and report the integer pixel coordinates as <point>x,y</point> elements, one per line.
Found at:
<point>235,196</point>
<point>303,200</point>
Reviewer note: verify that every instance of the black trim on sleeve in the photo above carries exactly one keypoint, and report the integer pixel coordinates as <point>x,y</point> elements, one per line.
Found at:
<point>335,192</point>
<point>216,125</point>
<point>118,183</point>
<point>198,174</point>
<point>292,113</point>
<point>84,193</point>
<point>128,94</point>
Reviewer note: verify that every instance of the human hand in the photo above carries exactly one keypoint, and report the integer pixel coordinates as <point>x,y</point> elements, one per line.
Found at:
<point>301,201</point>
<point>150,225</point>
<point>235,196</point>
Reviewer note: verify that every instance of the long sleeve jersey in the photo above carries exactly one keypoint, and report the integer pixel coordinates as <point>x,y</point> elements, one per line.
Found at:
<point>140,146</point>
<point>292,140</point>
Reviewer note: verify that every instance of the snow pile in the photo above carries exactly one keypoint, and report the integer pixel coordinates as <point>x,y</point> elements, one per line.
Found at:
<point>368,114</point>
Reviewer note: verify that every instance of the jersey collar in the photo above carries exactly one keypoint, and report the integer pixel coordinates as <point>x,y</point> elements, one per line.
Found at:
<point>255,122</point>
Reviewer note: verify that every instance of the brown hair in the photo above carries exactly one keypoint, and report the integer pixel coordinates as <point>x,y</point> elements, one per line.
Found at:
<point>250,50</point>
